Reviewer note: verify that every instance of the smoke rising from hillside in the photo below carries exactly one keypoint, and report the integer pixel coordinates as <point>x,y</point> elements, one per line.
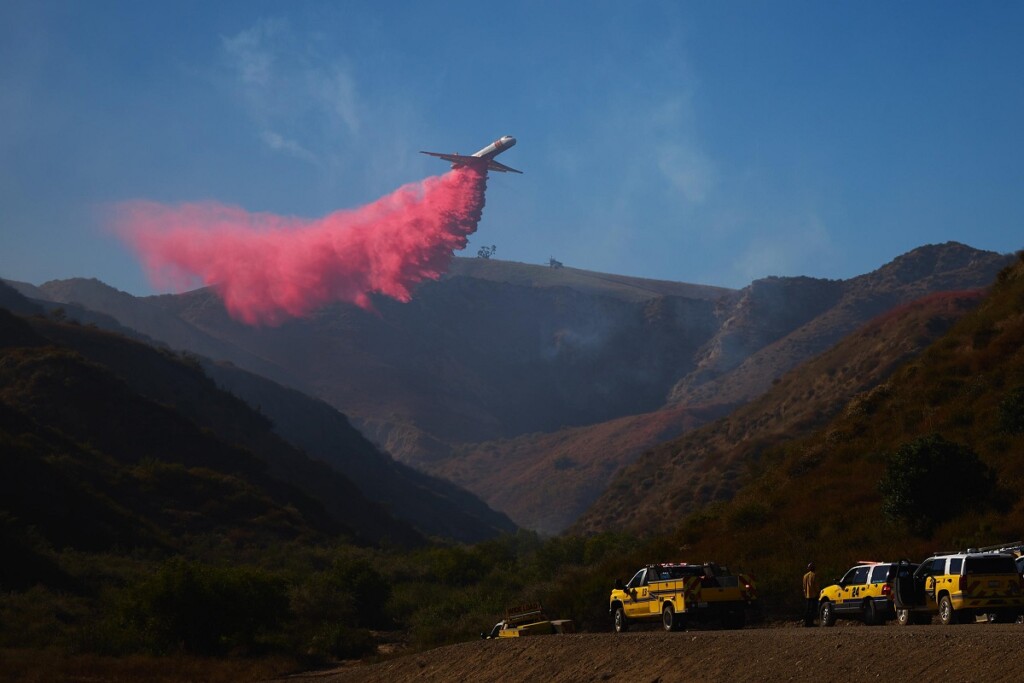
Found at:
<point>267,268</point>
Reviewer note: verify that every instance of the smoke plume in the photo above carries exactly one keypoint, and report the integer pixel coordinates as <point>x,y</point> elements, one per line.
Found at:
<point>268,268</point>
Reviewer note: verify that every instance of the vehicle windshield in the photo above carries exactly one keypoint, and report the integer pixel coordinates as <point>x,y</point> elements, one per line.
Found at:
<point>637,580</point>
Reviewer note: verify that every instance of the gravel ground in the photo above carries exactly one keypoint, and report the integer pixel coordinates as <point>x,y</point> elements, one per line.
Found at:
<point>971,652</point>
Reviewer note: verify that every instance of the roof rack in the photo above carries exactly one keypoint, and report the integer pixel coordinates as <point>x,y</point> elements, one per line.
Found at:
<point>1013,546</point>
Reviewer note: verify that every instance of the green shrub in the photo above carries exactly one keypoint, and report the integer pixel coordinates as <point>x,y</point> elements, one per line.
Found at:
<point>205,610</point>
<point>368,589</point>
<point>931,480</point>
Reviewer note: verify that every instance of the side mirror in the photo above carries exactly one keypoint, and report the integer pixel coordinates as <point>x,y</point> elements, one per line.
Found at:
<point>618,584</point>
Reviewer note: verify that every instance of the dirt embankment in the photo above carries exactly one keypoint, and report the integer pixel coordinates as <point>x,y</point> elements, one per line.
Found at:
<point>978,652</point>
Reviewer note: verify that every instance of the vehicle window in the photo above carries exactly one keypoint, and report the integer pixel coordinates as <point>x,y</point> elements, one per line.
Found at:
<point>937,566</point>
<point>637,580</point>
<point>880,573</point>
<point>955,565</point>
<point>1020,565</point>
<point>848,577</point>
<point>681,572</point>
<point>990,564</point>
<point>860,575</point>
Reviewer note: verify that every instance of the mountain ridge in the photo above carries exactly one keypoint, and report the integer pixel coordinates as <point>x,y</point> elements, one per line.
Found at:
<point>495,351</point>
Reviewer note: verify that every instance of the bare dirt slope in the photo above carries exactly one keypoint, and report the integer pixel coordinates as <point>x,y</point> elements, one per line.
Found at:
<point>977,652</point>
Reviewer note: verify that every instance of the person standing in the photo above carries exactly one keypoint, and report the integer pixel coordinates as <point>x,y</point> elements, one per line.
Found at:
<point>810,595</point>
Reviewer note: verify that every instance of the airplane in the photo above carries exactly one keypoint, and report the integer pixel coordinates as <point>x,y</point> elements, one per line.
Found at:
<point>484,159</point>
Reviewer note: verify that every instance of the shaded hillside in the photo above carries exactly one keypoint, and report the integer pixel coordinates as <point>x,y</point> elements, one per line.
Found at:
<point>470,359</point>
<point>546,481</point>
<point>113,443</point>
<point>821,495</point>
<point>435,507</point>
<point>493,349</point>
<point>89,464</point>
<point>773,325</point>
<point>163,378</point>
<point>152,321</point>
<point>497,351</point>
<point>712,462</point>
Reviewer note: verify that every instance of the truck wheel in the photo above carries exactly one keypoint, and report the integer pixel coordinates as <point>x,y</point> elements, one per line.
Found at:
<point>669,620</point>
<point>827,614</point>
<point>621,625</point>
<point>946,614</point>
<point>903,617</point>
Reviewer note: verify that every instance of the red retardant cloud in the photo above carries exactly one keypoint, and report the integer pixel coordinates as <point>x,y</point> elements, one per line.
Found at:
<point>268,268</point>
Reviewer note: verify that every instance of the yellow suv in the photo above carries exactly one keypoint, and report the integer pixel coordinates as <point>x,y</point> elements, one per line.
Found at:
<point>865,592</point>
<point>959,587</point>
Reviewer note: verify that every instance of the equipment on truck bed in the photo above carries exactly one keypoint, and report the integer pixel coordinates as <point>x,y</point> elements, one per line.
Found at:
<point>528,620</point>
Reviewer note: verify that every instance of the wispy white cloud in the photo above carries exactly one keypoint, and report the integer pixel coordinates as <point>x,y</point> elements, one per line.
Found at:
<point>295,95</point>
<point>249,54</point>
<point>278,143</point>
<point>688,170</point>
<point>337,91</point>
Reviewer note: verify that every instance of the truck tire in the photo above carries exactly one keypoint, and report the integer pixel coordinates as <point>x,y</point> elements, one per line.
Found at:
<point>621,625</point>
<point>669,620</point>
<point>904,617</point>
<point>947,615</point>
<point>827,614</point>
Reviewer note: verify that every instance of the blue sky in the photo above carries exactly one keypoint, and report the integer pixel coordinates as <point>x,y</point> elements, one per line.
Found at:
<point>705,142</point>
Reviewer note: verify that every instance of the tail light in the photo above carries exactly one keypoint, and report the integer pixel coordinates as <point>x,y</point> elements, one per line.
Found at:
<point>887,589</point>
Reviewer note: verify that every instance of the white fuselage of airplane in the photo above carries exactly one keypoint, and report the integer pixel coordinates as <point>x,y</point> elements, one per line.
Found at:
<point>483,159</point>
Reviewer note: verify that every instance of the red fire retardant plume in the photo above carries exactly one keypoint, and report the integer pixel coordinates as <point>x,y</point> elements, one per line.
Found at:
<point>268,268</point>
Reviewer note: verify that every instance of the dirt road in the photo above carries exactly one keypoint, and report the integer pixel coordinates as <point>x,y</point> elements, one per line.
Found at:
<point>975,652</point>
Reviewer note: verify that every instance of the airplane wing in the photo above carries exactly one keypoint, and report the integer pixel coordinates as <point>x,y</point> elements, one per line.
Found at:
<point>454,158</point>
<point>464,160</point>
<point>493,165</point>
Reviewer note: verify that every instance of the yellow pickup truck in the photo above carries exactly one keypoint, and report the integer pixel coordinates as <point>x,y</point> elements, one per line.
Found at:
<point>676,593</point>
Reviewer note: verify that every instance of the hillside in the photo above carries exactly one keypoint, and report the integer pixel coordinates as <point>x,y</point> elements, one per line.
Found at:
<point>433,506</point>
<point>707,464</point>
<point>491,350</point>
<point>780,322</point>
<point>109,442</point>
<point>480,366</point>
<point>546,481</point>
<point>821,494</point>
